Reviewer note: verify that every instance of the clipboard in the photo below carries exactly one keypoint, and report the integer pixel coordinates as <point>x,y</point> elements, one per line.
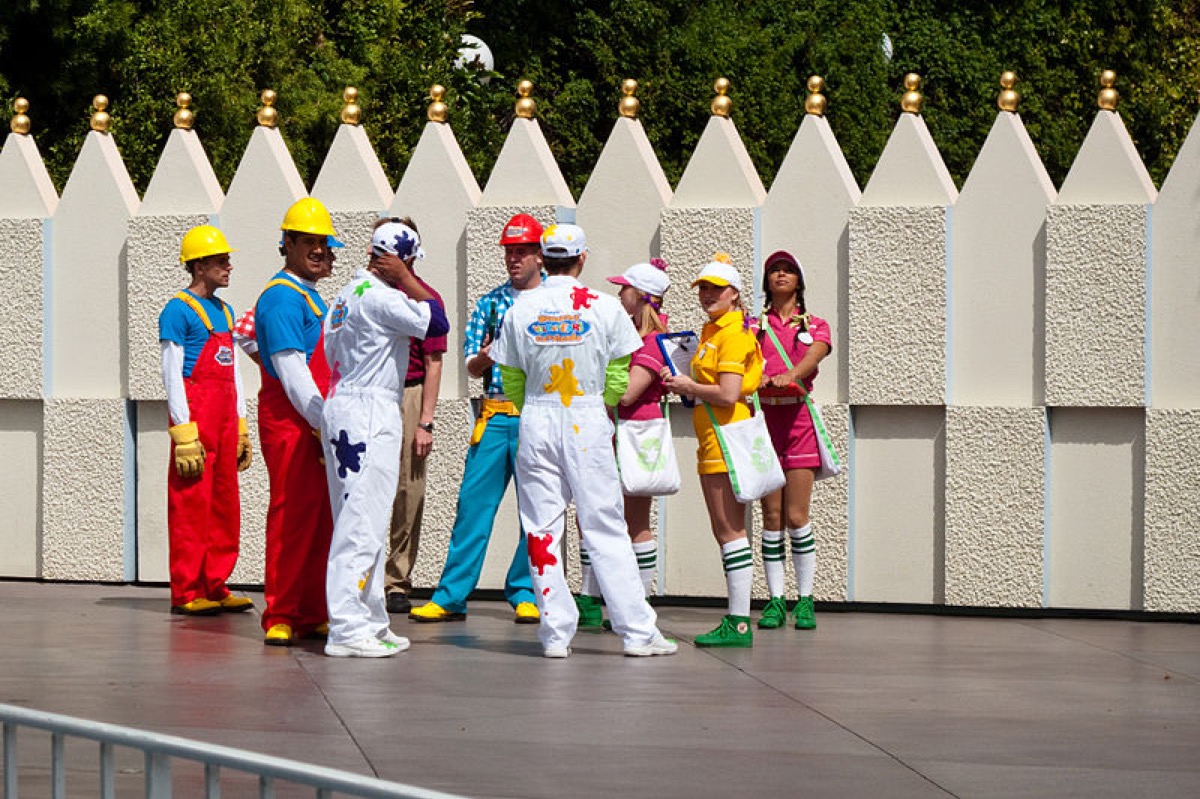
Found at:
<point>677,350</point>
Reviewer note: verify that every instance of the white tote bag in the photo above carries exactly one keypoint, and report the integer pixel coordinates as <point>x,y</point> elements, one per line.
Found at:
<point>754,468</point>
<point>646,457</point>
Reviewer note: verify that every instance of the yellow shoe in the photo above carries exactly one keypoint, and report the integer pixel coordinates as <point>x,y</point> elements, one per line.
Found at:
<point>235,604</point>
<point>321,631</point>
<point>432,612</point>
<point>279,635</point>
<point>526,613</point>
<point>197,607</point>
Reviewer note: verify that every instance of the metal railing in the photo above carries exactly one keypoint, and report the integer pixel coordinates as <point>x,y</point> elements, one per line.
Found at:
<point>159,750</point>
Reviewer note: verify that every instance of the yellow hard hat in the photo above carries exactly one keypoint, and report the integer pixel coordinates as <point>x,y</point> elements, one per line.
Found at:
<point>308,216</point>
<point>201,242</point>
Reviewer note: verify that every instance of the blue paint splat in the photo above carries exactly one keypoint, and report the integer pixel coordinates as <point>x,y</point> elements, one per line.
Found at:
<point>349,455</point>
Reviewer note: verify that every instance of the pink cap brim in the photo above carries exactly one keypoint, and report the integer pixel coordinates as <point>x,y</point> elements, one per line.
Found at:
<point>619,280</point>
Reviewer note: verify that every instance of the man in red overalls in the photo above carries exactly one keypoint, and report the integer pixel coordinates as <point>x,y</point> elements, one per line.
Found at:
<point>295,377</point>
<point>209,440</point>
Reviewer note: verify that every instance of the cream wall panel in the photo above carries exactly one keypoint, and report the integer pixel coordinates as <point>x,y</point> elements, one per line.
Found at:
<point>154,276</point>
<point>830,514</point>
<point>438,190</point>
<point>86,483</point>
<point>153,463</point>
<point>1175,283</point>
<point>1172,511</point>
<point>898,504</point>
<point>27,188</point>
<point>690,237</point>
<point>897,306</point>
<point>997,325</point>
<point>622,202</point>
<point>86,331</point>
<point>351,177</point>
<point>1095,305</point>
<point>910,170</point>
<point>183,180</point>
<point>21,474</point>
<point>525,171</point>
<point>994,506</point>
<point>1107,169</point>
<point>720,173</point>
<point>807,213</point>
<point>1094,549</point>
<point>22,368</point>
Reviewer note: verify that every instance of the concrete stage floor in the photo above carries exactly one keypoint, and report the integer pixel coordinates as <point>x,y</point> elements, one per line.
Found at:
<point>868,705</point>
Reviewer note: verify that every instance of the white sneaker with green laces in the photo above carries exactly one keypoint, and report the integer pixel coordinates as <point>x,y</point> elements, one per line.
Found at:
<point>365,648</point>
<point>658,646</point>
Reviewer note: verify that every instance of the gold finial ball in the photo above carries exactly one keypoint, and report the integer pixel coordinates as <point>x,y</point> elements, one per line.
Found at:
<point>1008,98</point>
<point>20,122</point>
<point>525,107</point>
<point>629,105</point>
<point>184,118</point>
<point>721,104</point>
<point>1108,97</point>
<point>815,102</point>
<point>351,113</point>
<point>912,100</point>
<point>100,119</point>
<point>267,116</point>
<point>437,111</point>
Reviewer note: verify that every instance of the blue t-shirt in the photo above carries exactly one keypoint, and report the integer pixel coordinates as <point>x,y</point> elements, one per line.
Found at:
<point>283,320</point>
<point>178,323</point>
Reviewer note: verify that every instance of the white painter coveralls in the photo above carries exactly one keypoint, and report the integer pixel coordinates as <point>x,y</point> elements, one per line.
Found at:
<point>367,331</point>
<point>562,336</point>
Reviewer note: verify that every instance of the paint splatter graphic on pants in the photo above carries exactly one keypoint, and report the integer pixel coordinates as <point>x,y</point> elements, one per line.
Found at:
<point>540,555</point>
<point>562,380</point>
<point>349,454</point>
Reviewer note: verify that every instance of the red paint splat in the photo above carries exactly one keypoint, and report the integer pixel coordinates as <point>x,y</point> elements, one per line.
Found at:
<point>335,376</point>
<point>540,555</point>
<point>545,592</point>
<point>581,297</point>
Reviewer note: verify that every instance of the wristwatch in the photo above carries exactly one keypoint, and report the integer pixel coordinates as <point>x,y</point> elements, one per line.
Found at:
<point>426,426</point>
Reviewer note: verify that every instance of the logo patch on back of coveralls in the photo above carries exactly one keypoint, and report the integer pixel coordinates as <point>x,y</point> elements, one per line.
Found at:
<point>338,317</point>
<point>553,327</point>
<point>224,356</point>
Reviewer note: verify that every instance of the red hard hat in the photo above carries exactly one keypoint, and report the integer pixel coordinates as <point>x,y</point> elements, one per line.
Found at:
<point>521,229</point>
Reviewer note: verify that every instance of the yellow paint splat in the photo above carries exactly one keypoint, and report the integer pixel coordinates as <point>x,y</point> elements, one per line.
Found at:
<point>562,380</point>
<point>362,583</point>
<point>575,427</point>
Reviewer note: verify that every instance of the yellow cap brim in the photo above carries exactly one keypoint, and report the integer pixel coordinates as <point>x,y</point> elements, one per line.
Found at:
<point>716,281</point>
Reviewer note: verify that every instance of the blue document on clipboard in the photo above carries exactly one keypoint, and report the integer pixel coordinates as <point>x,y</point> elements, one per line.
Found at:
<point>677,350</point>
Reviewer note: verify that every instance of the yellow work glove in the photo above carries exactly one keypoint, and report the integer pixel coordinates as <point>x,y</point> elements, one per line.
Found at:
<point>245,452</point>
<point>189,452</point>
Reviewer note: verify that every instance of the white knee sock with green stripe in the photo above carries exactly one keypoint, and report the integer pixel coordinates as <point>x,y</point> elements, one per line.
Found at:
<point>587,582</point>
<point>647,561</point>
<point>738,560</point>
<point>774,555</point>
<point>804,557</point>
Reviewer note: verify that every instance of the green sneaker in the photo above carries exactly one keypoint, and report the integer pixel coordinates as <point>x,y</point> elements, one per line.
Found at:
<point>805,618</point>
<point>591,612</point>
<point>774,614</point>
<point>733,631</point>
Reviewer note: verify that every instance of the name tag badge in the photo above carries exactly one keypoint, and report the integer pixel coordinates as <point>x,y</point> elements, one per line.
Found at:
<point>805,338</point>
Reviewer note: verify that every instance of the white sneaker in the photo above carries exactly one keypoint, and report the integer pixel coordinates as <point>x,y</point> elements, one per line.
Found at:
<point>657,646</point>
<point>556,652</point>
<point>389,637</point>
<point>366,648</point>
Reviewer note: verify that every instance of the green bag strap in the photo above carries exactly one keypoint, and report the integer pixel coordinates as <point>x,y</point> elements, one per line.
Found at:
<point>818,423</point>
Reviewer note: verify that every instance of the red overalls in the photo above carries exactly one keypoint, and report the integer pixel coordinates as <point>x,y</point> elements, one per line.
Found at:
<point>204,513</point>
<point>299,521</point>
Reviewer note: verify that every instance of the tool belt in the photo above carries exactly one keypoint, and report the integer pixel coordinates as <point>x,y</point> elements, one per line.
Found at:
<point>488,409</point>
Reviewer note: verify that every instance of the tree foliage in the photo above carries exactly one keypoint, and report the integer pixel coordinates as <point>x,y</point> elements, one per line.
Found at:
<point>140,53</point>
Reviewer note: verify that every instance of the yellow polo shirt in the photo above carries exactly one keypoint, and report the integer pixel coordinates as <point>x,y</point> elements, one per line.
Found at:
<point>725,347</point>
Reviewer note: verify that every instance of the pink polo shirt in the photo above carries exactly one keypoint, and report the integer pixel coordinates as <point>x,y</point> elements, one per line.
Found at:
<point>818,328</point>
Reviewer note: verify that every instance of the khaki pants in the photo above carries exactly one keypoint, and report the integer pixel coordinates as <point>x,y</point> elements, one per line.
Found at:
<point>409,505</point>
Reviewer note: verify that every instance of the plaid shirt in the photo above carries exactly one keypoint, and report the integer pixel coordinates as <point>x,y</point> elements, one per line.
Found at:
<point>243,332</point>
<point>486,320</point>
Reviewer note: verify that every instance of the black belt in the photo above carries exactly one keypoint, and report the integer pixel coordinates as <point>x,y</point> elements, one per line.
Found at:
<point>416,381</point>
